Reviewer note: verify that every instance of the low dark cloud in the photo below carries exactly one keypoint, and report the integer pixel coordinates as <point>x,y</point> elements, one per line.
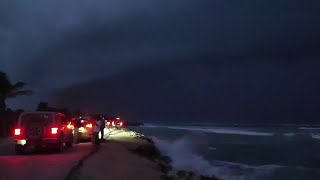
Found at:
<point>52,44</point>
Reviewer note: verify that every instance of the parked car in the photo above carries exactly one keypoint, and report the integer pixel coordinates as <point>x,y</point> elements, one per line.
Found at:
<point>114,122</point>
<point>85,127</point>
<point>46,130</point>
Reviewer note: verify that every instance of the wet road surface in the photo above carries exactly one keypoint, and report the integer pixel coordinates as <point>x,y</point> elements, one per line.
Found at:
<point>41,165</point>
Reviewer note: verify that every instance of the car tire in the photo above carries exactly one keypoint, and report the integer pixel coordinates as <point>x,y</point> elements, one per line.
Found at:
<point>70,141</point>
<point>69,144</point>
<point>20,150</point>
<point>59,147</point>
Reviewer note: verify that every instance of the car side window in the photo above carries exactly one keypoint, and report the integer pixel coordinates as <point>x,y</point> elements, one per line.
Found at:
<point>58,119</point>
<point>63,120</point>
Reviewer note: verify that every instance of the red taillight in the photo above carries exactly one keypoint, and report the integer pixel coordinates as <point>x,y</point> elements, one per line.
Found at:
<point>108,123</point>
<point>89,125</point>
<point>17,132</point>
<point>113,124</point>
<point>54,130</point>
<point>121,123</point>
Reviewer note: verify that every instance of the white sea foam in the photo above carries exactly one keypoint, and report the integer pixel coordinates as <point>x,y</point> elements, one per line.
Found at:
<point>184,157</point>
<point>217,130</point>
<point>150,125</point>
<point>236,131</point>
<point>309,128</point>
<point>224,131</point>
<point>289,134</point>
<point>315,136</point>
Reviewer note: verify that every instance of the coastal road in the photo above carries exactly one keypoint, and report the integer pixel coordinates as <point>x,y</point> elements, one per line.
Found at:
<point>39,166</point>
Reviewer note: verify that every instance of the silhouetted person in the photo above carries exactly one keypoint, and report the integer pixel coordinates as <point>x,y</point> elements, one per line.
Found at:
<point>96,130</point>
<point>77,125</point>
<point>103,125</point>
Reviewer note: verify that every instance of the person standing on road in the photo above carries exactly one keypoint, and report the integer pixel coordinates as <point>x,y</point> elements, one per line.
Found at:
<point>77,125</point>
<point>96,130</point>
<point>103,125</point>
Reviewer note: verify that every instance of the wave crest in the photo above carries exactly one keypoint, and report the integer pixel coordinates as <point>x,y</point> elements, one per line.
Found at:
<point>184,157</point>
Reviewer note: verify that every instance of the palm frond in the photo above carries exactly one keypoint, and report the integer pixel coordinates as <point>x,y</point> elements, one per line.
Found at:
<point>5,84</point>
<point>18,86</point>
<point>19,93</point>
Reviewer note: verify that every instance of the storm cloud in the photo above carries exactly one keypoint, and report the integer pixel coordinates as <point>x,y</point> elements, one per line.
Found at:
<point>53,44</point>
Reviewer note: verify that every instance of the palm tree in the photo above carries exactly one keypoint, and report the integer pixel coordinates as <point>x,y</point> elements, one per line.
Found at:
<point>9,90</point>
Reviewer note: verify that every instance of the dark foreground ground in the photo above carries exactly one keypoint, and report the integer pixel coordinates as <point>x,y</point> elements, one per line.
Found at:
<point>40,165</point>
<point>125,155</point>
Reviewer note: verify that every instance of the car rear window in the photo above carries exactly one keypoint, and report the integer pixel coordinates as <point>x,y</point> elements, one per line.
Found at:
<point>36,118</point>
<point>81,121</point>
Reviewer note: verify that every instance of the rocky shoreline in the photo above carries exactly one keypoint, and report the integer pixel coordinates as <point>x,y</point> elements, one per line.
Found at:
<point>151,152</point>
<point>128,154</point>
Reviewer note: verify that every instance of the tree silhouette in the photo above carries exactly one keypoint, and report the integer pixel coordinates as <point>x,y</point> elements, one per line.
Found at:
<point>10,90</point>
<point>42,106</point>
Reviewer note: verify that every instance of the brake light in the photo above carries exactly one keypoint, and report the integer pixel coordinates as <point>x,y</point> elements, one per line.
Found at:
<point>121,123</point>
<point>108,123</point>
<point>54,130</point>
<point>17,132</point>
<point>89,125</point>
<point>113,123</point>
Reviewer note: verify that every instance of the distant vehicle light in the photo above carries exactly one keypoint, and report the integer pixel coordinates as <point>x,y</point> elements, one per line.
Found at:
<point>17,132</point>
<point>70,126</point>
<point>89,125</point>
<point>108,123</point>
<point>54,130</point>
<point>113,124</point>
<point>121,123</point>
<point>117,118</point>
<point>81,129</point>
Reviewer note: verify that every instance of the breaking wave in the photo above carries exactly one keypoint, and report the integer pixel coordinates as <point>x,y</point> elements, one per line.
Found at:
<point>184,157</point>
<point>315,136</point>
<point>237,131</point>
<point>309,128</point>
<point>225,131</point>
<point>215,130</point>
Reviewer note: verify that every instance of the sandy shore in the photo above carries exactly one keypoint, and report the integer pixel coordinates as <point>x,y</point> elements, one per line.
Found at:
<point>128,155</point>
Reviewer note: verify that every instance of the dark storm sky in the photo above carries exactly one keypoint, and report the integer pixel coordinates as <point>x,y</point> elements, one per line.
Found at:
<point>53,44</point>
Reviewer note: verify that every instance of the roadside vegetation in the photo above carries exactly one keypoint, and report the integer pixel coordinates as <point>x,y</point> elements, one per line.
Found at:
<point>8,117</point>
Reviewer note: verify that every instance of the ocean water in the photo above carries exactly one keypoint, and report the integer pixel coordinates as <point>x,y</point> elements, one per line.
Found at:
<point>241,152</point>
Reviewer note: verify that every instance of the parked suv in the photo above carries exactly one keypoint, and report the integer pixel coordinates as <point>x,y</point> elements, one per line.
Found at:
<point>47,130</point>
